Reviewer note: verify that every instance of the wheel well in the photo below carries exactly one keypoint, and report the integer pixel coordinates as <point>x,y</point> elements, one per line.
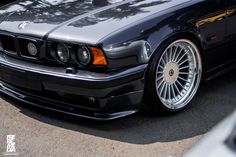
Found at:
<point>190,36</point>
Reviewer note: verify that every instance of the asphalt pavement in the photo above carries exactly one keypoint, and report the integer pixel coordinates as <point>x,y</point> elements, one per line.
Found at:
<point>41,133</point>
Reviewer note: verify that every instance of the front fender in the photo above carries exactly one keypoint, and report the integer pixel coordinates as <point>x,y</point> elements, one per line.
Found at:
<point>136,43</point>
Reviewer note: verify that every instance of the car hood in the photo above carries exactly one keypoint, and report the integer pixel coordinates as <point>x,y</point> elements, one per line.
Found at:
<point>86,21</point>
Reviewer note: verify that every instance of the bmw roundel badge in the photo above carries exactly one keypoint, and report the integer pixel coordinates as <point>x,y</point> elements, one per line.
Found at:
<point>32,49</point>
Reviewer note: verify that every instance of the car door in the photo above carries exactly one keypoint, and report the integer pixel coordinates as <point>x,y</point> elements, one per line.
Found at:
<point>212,27</point>
<point>231,19</point>
<point>213,24</point>
<point>231,28</point>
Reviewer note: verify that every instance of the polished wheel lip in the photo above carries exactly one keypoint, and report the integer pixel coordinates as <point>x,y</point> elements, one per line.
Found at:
<point>178,74</point>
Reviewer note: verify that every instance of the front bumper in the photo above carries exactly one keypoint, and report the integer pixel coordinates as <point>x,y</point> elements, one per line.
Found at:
<point>102,96</point>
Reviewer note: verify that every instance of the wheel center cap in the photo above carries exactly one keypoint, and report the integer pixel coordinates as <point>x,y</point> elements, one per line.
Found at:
<point>171,72</point>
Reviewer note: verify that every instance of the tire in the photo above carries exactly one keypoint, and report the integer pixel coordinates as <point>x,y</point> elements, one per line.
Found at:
<point>173,76</point>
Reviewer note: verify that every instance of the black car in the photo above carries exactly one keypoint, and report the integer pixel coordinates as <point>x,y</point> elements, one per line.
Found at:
<point>102,59</point>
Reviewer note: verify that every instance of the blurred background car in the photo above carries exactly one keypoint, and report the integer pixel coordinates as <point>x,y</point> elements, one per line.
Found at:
<point>220,142</point>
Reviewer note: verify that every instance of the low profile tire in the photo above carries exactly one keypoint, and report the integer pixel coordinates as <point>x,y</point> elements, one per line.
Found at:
<point>173,76</point>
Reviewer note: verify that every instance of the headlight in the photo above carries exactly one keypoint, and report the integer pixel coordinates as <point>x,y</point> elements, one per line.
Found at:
<point>83,56</point>
<point>63,53</point>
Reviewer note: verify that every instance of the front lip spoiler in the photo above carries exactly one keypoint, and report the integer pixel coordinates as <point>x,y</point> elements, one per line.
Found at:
<point>46,105</point>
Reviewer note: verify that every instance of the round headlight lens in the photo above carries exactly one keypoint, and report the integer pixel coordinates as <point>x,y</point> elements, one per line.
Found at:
<point>63,53</point>
<point>83,55</point>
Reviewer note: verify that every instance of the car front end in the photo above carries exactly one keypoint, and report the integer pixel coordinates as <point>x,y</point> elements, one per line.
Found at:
<point>81,57</point>
<point>70,78</point>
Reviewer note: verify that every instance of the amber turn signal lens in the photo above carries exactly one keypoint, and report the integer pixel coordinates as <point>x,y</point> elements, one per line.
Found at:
<point>98,56</point>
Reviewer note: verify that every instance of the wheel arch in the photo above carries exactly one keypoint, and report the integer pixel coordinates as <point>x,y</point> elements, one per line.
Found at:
<point>192,36</point>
